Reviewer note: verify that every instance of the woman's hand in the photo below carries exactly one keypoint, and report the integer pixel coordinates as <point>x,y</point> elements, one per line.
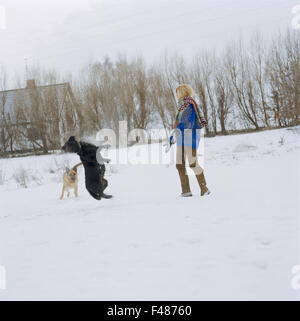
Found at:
<point>167,146</point>
<point>172,140</point>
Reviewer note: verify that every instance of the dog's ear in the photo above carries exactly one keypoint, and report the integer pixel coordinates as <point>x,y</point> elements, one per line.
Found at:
<point>67,170</point>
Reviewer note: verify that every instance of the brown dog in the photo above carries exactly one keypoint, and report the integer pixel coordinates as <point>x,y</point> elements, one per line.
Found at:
<point>70,181</point>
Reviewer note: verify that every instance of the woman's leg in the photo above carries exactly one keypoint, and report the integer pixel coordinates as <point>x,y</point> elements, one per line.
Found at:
<point>191,154</point>
<point>180,165</point>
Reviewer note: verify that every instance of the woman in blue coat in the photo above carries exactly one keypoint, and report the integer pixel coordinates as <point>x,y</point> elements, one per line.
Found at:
<point>189,121</point>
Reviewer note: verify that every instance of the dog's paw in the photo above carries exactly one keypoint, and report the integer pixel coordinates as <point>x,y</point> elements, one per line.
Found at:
<point>96,196</point>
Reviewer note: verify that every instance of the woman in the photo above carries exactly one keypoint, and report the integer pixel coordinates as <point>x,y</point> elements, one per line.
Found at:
<point>189,121</point>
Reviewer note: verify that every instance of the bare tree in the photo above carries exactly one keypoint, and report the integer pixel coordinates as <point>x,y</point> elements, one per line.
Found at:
<point>224,95</point>
<point>3,121</point>
<point>202,71</point>
<point>241,76</point>
<point>258,61</point>
<point>198,83</point>
<point>284,75</point>
<point>162,99</point>
<point>141,116</point>
<point>125,90</point>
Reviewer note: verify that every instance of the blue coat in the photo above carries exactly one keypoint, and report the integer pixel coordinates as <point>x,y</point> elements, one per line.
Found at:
<point>189,129</point>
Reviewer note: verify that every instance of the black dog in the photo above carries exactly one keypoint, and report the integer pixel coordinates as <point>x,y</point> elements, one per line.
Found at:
<point>94,171</point>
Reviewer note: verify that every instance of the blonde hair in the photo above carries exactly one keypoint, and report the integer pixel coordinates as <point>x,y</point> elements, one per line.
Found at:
<point>184,90</point>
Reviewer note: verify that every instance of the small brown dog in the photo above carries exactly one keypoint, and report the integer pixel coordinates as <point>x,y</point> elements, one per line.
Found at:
<point>70,181</point>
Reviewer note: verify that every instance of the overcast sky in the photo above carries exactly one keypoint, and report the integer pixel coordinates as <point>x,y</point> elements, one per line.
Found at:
<point>68,33</point>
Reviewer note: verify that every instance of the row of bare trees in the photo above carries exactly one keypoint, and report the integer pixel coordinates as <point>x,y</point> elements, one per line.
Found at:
<point>246,86</point>
<point>253,85</point>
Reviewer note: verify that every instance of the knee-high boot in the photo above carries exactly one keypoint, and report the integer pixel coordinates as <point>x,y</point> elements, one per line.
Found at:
<point>184,179</point>
<point>202,183</point>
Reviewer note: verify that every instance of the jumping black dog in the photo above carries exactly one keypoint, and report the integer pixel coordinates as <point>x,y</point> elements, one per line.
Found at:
<point>94,171</point>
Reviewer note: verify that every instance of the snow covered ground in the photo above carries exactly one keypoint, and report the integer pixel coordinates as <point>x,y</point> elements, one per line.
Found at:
<point>239,243</point>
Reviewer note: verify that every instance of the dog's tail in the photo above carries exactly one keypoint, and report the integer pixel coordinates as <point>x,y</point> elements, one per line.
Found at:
<point>76,166</point>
